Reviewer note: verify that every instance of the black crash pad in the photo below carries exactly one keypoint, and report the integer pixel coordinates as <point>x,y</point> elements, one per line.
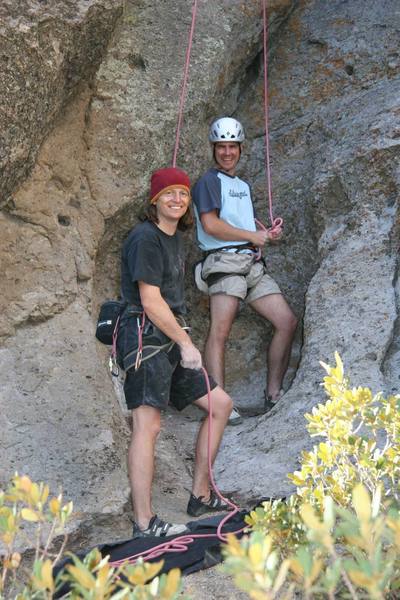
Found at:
<point>201,553</point>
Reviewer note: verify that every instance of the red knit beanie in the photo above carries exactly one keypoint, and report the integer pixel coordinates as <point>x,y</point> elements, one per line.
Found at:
<point>165,179</point>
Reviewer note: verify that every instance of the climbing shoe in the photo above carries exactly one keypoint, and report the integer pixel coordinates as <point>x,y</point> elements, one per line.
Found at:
<point>199,506</point>
<point>235,418</point>
<point>269,403</point>
<point>158,528</point>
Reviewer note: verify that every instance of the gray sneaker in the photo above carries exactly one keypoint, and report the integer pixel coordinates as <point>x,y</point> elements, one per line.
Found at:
<point>158,528</point>
<point>235,418</point>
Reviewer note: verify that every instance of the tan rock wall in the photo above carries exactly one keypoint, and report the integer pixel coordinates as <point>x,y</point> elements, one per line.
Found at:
<point>46,49</point>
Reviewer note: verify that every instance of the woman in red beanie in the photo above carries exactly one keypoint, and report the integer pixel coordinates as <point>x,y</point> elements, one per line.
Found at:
<point>168,370</point>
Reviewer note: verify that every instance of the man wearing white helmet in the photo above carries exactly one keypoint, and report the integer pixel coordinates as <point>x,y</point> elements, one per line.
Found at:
<point>232,269</point>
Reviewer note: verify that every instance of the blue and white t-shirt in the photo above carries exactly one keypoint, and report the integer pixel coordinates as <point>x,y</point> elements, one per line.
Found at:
<point>231,197</point>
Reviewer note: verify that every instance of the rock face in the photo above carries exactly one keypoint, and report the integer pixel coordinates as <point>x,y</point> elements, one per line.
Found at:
<point>90,110</point>
<point>47,48</point>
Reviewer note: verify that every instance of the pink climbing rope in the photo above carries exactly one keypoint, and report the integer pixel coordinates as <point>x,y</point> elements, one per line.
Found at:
<point>184,83</point>
<point>235,508</point>
<point>275,222</point>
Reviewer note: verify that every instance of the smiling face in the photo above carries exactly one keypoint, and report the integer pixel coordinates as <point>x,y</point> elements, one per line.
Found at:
<point>172,205</point>
<point>227,156</point>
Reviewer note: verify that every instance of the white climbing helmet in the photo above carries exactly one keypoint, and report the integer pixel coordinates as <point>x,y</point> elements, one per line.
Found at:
<point>226,129</point>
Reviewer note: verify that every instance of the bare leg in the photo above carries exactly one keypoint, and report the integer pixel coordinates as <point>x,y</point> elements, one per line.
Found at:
<point>221,406</point>
<point>146,427</point>
<point>223,310</point>
<point>275,308</point>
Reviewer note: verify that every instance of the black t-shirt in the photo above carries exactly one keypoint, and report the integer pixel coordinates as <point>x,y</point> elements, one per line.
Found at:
<point>152,256</point>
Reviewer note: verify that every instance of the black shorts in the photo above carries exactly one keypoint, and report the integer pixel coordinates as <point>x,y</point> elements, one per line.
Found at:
<point>161,379</point>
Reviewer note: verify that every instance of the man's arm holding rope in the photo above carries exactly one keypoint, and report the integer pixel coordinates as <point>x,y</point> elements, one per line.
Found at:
<point>222,230</point>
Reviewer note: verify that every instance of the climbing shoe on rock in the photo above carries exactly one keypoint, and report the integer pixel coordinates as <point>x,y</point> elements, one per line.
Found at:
<point>269,403</point>
<point>235,418</point>
<point>158,528</point>
<point>200,506</point>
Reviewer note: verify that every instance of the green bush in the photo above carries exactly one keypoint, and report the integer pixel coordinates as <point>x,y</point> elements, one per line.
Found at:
<point>339,534</point>
<point>29,518</point>
<point>362,443</point>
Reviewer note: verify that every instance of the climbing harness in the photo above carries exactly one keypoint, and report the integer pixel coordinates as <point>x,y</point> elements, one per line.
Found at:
<point>150,340</point>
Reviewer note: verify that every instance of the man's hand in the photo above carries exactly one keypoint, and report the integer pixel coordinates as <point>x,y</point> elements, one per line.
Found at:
<point>190,356</point>
<point>259,238</point>
<point>275,234</point>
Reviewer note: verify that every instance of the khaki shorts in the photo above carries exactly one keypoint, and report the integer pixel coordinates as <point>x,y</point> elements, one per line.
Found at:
<point>237,275</point>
